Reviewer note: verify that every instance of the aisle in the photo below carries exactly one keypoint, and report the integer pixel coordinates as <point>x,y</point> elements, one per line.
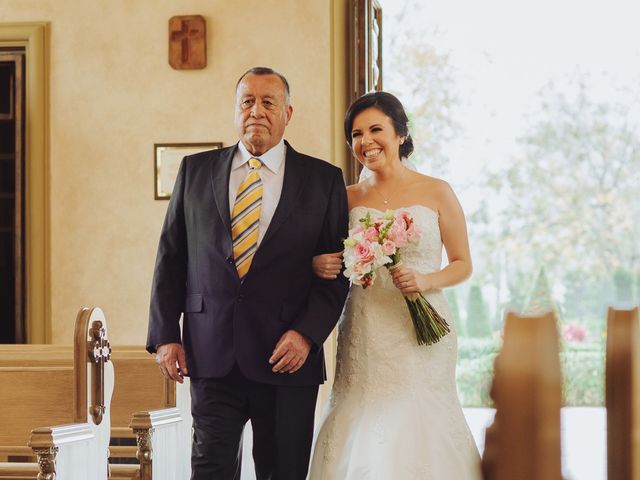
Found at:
<point>583,441</point>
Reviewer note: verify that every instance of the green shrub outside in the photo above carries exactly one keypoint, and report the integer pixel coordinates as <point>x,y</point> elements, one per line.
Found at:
<point>452,299</point>
<point>583,374</point>
<point>582,370</point>
<point>475,370</point>
<point>477,324</point>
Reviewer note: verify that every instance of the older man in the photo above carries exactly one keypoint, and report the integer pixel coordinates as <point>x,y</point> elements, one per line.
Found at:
<point>235,257</point>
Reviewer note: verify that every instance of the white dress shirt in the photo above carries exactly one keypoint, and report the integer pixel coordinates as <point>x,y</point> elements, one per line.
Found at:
<point>272,175</point>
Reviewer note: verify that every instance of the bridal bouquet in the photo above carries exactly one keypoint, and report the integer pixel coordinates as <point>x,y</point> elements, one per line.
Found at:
<point>377,242</point>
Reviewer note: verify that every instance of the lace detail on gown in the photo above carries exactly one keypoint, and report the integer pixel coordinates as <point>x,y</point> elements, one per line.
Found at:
<point>394,410</point>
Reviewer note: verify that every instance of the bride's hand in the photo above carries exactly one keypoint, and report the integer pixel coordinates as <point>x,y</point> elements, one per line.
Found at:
<point>409,281</point>
<point>328,265</point>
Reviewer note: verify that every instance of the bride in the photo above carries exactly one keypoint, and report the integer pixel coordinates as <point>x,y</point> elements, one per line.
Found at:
<point>394,412</point>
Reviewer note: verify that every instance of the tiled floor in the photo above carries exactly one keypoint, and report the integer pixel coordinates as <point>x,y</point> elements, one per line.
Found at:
<point>583,441</point>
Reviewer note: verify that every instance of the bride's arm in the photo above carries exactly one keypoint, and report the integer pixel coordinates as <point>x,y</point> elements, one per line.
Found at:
<point>327,265</point>
<point>453,230</point>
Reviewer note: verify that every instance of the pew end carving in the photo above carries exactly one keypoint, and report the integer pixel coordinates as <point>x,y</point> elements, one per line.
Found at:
<point>164,438</point>
<point>93,388</point>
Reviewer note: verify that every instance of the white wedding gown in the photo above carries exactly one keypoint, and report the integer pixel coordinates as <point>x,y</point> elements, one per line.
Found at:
<point>394,412</point>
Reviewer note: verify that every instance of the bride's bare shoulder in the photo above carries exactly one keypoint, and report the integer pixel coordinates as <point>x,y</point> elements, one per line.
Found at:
<point>433,184</point>
<point>432,192</point>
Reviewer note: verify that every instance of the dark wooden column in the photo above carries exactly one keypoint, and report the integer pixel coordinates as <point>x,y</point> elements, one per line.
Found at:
<point>366,56</point>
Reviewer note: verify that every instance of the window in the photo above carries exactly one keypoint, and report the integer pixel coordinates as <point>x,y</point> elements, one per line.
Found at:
<point>530,111</point>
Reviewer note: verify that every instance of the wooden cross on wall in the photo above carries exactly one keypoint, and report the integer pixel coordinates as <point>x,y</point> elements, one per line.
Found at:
<point>187,42</point>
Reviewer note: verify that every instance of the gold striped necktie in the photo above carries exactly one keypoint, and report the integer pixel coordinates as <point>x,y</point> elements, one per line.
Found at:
<point>245,218</point>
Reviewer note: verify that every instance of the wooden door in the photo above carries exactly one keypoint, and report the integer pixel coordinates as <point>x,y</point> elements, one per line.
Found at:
<point>12,301</point>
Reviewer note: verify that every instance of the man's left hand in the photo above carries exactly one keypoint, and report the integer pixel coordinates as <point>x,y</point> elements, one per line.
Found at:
<point>290,353</point>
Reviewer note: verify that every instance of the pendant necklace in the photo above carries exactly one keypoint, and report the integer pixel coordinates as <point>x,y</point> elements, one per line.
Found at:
<point>386,200</point>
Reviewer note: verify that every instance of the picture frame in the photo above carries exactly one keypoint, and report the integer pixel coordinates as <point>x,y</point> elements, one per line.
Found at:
<point>166,162</point>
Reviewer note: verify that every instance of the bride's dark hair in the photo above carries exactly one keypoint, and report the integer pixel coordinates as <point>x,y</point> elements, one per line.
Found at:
<point>391,107</point>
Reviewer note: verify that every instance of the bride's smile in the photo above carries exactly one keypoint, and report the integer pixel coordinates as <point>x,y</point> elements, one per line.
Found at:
<point>371,153</point>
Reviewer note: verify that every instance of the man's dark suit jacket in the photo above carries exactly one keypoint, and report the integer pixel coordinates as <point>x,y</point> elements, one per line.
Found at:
<point>227,321</point>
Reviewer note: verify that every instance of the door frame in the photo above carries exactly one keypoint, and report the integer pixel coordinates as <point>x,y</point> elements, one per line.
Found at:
<point>34,38</point>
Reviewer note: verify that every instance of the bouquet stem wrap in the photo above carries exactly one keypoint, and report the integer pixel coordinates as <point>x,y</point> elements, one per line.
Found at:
<point>429,325</point>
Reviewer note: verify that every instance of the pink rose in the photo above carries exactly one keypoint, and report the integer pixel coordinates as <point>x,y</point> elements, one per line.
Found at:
<point>364,253</point>
<point>371,234</point>
<point>397,233</point>
<point>388,247</point>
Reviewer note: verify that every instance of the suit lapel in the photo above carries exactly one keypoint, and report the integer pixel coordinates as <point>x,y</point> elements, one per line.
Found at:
<point>292,185</point>
<point>220,171</point>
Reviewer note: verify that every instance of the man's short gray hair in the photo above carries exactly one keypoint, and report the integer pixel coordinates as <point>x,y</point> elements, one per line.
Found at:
<point>268,71</point>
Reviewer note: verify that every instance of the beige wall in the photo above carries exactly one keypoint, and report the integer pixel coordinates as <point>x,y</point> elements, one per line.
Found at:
<point>113,95</point>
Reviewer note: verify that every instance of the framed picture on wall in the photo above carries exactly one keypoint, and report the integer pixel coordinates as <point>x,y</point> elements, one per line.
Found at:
<point>166,162</point>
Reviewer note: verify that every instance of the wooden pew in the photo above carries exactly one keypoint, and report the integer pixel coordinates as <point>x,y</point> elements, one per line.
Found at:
<point>523,443</point>
<point>140,386</point>
<point>622,387</point>
<point>79,450</point>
